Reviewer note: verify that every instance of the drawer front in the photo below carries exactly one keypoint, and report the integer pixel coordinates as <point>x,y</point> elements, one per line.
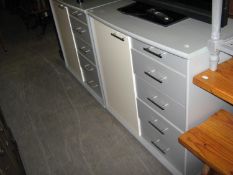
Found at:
<point>173,61</point>
<point>85,50</point>
<point>161,135</point>
<point>161,103</point>
<point>80,15</point>
<point>80,30</point>
<point>91,76</point>
<point>167,81</point>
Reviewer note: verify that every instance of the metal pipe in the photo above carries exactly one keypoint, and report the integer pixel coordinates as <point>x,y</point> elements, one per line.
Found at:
<point>215,35</point>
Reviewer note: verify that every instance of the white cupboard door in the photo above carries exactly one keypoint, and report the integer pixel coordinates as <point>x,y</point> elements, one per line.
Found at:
<point>66,38</point>
<point>116,67</point>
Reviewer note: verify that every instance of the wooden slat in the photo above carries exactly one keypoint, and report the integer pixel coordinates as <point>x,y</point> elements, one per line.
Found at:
<point>219,83</point>
<point>212,142</point>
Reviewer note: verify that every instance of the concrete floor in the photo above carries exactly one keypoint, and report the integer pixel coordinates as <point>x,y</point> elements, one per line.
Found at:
<point>59,127</point>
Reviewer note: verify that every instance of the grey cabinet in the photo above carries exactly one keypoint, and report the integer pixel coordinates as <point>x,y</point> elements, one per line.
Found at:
<point>61,17</point>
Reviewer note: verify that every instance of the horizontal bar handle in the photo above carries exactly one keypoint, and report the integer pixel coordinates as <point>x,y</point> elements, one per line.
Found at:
<point>157,128</point>
<point>162,107</point>
<point>158,147</point>
<point>118,37</point>
<point>93,84</point>
<point>88,67</point>
<point>160,80</point>
<point>84,50</point>
<point>76,13</point>
<point>159,55</point>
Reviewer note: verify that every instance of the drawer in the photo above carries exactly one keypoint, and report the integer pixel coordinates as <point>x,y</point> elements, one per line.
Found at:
<point>80,30</point>
<point>91,76</point>
<point>166,80</point>
<point>173,61</point>
<point>80,15</point>
<point>162,135</point>
<point>161,103</point>
<point>85,50</point>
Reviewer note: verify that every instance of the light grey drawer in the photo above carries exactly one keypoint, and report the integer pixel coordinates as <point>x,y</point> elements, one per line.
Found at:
<point>91,76</point>
<point>173,61</point>
<point>166,143</point>
<point>85,50</point>
<point>80,15</point>
<point>80,30</point>
<point>167,81</point>
<point>164,105</point>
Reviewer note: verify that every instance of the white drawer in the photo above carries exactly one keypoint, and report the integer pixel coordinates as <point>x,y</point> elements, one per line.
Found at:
<point>80,30</point>
<point>166,80</point>
<point>91,76</point>
<point>162,135</point>
<point>161,56</point>
<point>80,15</point>
<point>161,103</point>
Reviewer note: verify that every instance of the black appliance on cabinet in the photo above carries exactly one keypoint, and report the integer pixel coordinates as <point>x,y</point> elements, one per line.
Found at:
<point>197,9</point>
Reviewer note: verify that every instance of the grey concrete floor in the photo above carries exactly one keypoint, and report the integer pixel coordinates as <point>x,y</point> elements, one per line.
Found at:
<point>59,127</point>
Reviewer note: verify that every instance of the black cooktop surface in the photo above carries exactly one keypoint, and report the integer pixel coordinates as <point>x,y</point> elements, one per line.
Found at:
<point>151,13</point>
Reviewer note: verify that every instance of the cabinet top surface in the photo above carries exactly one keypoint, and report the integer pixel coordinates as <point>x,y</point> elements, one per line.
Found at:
<point>88,4</point>
<point>183,38</point>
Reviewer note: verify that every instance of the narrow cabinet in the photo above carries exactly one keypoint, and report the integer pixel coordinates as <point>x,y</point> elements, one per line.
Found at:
<point>61,17</point>
<point>114,56</point>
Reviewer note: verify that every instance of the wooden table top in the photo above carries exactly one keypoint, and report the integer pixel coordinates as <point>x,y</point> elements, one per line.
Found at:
<point>212,142</point>
<point>219,83</point>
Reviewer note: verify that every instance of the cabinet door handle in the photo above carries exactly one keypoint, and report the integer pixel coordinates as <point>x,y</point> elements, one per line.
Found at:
<point>88,67</point>
<point>161,131</point>
<point>76,13</point>
<point>162,107</point>
<point>159,55</point>
<point>93,84</point>
<point>61,6</point>
<point>118,37</point>
<point>162,150</point>
<point>160,80</point>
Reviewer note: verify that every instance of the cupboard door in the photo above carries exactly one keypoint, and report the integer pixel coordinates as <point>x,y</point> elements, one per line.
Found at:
<point>116,68</point>
<point>231,9</point>
<point>66,38</point>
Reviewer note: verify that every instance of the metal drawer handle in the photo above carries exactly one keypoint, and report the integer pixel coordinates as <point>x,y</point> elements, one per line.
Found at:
<point>118,37</point>
<point>84,50</point>
<point>76,13</point>
<point>162,107</point>
<point>93,84</point>
<point>80,30</point>
<point>153,53</point>
<point>88,67</point>
<point>162,150</point>
<point>61,6</point>
<point>157,128</point>
<point>160,80</point>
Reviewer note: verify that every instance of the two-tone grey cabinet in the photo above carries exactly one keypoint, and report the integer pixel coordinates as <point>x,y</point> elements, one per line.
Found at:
<point>66,38</point>
<point>85,51</point>
<point>161,98</point>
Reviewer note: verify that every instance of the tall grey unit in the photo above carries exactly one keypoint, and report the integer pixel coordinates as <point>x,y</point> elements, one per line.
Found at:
<point>86,54</point>
<point>66,38</point>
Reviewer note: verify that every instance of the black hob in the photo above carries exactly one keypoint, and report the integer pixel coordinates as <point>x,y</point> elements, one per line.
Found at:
<point>151,13</point>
